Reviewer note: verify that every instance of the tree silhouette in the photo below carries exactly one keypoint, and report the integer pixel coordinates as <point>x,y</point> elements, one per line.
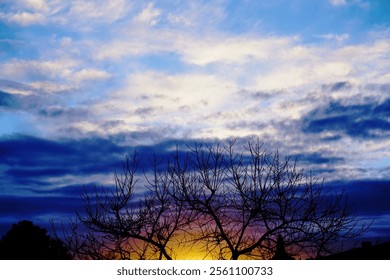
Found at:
<point>132,221</point>
<point>234,204</point>
<point>26,241</point>
<point>247,199</point>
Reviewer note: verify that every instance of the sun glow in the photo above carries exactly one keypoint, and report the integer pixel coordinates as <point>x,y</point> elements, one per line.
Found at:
<point>192,253</point>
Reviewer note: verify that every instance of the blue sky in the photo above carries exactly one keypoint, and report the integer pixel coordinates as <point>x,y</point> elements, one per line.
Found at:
<point>84,82</point>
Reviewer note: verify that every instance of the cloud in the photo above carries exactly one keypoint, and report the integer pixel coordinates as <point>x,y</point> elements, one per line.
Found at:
<point>36,5</point>
<point>316,158</point>
<point>35,88</point>
<point>40,209</point>
<point>366,196</point>
<point>30,12</point>
<point>149,15</point>
<point>65,12</point>
<point>43,163</point>
<point>7,100</point>
<point>230,50</point>
<point>90,74</point>
<point>338,2</point>
<point>369,120</point>
<point>23,18</point>
<point>200,94</point>
<point>95,12</point>
<point>19,69</point>
<point>335,87</point>
<point>67,114</point>
<point>27,158</point>
<point>335,37</point>
<point>47,165</point>
<point>57,75</point>
<point>342,3</point>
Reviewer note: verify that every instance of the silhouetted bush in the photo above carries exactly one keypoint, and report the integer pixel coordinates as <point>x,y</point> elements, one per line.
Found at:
<point>26,241</point>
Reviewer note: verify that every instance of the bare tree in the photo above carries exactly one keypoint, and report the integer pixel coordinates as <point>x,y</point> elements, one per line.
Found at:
<point>234,204</point>
<point>131,221</point>
<point>246,200</point>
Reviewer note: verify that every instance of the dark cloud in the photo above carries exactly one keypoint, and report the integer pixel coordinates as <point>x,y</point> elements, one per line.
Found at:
<point>316,158</point>
<point>369,200</point>
<point>331,138</point>
<point>25,207</point>
<point>337,86</point>
<point>381,88</point>
<point>252,125</point>
<point>7,100</point>
<point>68,191</point>
<point>146,111</point>
<point>367,197</point>
<point>74,114</point>
<point>368,120</point>
<point>111,124</point>
<point>37,208</point>
<point>27,159</point>
<point>258,95</point>
<point>41,103</point>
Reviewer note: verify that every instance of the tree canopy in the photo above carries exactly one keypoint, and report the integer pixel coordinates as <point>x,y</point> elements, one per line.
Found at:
<point>26,241</point>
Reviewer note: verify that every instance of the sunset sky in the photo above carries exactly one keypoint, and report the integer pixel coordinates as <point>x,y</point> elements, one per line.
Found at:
<point>82,83</point>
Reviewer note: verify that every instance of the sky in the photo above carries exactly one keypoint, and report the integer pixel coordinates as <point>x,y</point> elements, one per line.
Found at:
<point>82,83</point>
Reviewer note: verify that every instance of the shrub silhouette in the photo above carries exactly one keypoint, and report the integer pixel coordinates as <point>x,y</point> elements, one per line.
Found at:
<point>26,241</point>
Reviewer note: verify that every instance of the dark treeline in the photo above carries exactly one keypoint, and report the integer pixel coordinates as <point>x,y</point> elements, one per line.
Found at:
<point>26,241</point>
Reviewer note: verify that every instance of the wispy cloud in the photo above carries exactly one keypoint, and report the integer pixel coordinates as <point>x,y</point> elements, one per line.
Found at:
<point>338,2</point>
<point>149,15</point>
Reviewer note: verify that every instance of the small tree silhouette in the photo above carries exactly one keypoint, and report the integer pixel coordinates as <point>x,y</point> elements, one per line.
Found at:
<point>26,241</point>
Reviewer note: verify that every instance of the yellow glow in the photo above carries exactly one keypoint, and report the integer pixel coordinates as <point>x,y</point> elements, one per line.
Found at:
<point>193,252</point>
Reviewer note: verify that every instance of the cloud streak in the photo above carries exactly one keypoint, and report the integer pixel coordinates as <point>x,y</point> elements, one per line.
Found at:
<point>357,121</point>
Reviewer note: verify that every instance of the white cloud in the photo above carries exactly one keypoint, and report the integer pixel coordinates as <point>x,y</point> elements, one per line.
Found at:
<point>105,11</point>
<point>51,87</point>
<point>65,72</point>
<point>37,70</point>
<point>338,2</point>
<point>181,102</point>
<point>31,12</point>
<point>360,3</point>
<point>36,5</point>
<point>335,37</point>
<point>197,91</point>
<point>138,46</point>
<point>179,19</point>
<point>149,15</point>
<point>90,74</point>
<point>84,14</point>
<point>23,18</point>
<point>229,50</point>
